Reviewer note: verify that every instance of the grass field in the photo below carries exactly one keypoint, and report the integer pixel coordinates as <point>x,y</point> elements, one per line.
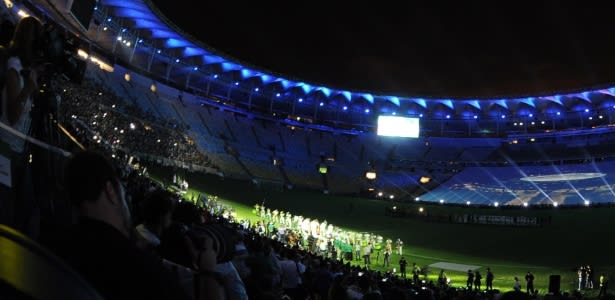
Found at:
<point>574,237</point>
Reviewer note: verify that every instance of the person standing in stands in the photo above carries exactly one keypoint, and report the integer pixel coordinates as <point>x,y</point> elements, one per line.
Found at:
<point>529,282</point>
<point>20,85</point>
<point>99,245</point>
<point>20,80</point>
<point>402,266</point>
<point>489,280</point>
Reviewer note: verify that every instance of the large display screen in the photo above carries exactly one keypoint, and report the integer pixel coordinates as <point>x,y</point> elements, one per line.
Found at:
<point>398,126</point>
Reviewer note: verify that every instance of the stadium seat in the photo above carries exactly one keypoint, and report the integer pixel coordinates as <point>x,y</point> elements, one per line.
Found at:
<point>28,271</point>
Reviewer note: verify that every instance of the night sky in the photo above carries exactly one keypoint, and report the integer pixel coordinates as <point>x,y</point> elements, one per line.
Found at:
<point>461,50</point>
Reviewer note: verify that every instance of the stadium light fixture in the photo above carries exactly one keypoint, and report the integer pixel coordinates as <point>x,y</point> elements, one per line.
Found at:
<point>417,199</point>
<point>256,89</point>
<point>421,210</point>
<point>555,204</point>
<point>441,201</point>
<point>496,204</point>
<point>379,194</point>
<point>371,175</point>
<point>587,203</point>
<point>525,204</point>
<point>300,100</point>
<point>424,179</point>
<point>345,107</point>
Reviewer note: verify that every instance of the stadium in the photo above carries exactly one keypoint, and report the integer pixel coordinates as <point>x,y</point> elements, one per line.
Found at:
<point>516,183</point>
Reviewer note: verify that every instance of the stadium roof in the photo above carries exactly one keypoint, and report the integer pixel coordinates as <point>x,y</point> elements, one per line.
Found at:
<point>137,33</point>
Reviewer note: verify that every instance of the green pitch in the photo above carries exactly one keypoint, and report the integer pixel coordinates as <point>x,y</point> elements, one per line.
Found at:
<point>574,236</point>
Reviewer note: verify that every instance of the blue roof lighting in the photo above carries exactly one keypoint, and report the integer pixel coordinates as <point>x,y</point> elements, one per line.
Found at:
<point>447,103</point>
<point>140,18</point>
<point>347,95</point>
<point>421,102</point>
<point>501,103</point>
<point>192,51</point>
<point>245,73</point>
<point>325,91</point>
<point>305,87</point>
<point>227,66</point>
<point>394,100</point>
<point>474,103</point>
<point>212,59</point>
<point>266,78</point>
<point>369,98</point>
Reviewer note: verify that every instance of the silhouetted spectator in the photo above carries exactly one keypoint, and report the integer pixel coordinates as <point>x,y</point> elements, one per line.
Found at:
<point>99,245</point>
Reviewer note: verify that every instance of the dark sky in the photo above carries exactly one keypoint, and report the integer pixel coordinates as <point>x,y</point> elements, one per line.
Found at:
<point>451,49</point>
